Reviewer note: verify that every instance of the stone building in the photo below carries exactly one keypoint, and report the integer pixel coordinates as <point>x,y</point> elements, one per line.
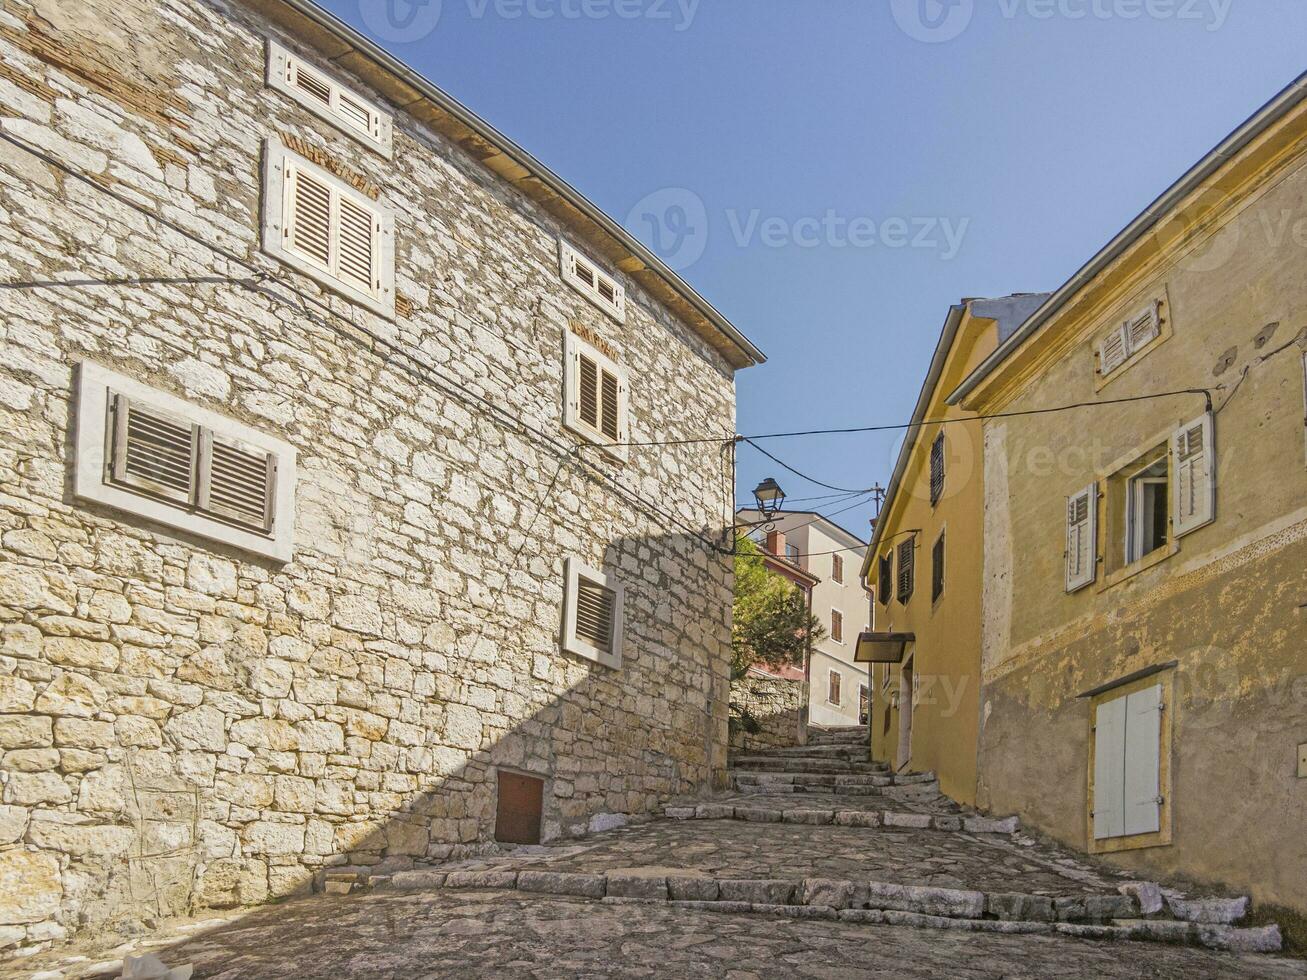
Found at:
<point>319,524</point>
<point>1145,568</point>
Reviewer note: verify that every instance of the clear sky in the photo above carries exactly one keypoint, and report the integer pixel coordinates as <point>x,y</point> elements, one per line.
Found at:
<point>833,174</point>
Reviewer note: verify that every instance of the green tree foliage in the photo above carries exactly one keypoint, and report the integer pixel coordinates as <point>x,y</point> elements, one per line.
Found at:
<point>772,623</point>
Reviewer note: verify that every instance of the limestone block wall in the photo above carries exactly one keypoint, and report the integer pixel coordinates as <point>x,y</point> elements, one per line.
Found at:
<point>185,725</point>
<point>773,704</point>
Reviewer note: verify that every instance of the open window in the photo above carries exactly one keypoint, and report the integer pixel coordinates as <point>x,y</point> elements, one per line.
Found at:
<point>151,454</point>
<point>885,578</point>
<point>1147,502</point>
<point>592,614</point>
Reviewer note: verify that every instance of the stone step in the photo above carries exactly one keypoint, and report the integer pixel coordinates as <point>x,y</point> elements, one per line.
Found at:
<point>1101,917</point>
<point>761,763</point>
<point>813,751</point>
<point>745,777</point>
<point>947,822</point>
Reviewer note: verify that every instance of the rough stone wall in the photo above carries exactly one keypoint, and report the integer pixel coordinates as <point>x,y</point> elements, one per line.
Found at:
<point>184,725</point>
<point>774,704</point>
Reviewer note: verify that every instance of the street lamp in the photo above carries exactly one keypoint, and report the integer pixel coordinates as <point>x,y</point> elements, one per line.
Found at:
<point>769,497</point>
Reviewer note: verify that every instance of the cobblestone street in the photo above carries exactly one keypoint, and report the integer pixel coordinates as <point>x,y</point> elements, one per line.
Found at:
<point>425,936</point>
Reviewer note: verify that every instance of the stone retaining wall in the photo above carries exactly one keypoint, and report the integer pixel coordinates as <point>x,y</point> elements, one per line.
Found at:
<point>773,705</point>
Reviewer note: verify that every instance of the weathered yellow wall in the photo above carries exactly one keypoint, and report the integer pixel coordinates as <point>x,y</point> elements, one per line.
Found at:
<point>1227,605</point>
<point>947,648</point>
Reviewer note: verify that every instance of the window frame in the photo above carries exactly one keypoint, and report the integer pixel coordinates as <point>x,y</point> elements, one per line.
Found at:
<point>378,136</point>
<point>569,256</point>
<point>574,347</point>
<point>1163,835</point>
<point>277,159</point>
<point>95,386</point>
<point>837,617</point>
<point>885,578</point>
<point>834,685</point>
<point>837,569</point>
<point>1136,529</point>
<point>573,571</point>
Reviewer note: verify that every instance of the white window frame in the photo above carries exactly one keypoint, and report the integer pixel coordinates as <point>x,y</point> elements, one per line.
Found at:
<point>277,159</point>
<point>1135,503</point>
<point>283,65</point>
<point>569,257</point>
<point>92,448</point>
<point>573,346</point>
<point>574,571</point>
<point>1123,334</point>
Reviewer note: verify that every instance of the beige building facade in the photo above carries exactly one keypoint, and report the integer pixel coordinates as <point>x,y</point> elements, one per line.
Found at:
<point>320,543</point>
<point>1145,573</point>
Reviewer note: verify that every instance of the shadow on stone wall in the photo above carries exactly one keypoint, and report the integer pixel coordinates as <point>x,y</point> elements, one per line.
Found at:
<point>765,713</point>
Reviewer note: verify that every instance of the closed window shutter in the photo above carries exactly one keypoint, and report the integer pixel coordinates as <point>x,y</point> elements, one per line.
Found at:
<point>359,231</point>
<point>885,586</point>
<point>585,276</point>
<point>1113,350</point>
<point>609,415</point>
<point>1193,463</point>
<point>594,614</point>
<point>907,571</point>
<point>837,626</point>
<point>937,469</point>
<point>1145,327</point>
<point>1082,538</point>
<point>153,451</point>
<point>937,569</point>
<point>837,569</point>
<point>310,83</point>
<point>1109,769</point>
<point>1141,795</point>
<point>308,225</point>
<point>237,482</point>
<point>333,231</point>
<point>588,391</point>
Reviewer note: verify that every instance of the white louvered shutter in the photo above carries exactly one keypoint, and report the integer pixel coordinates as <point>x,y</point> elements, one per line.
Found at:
<point>1082,538</point>
<point>1144,327</point>
<point>1113,350</point>
<point>332,230</point>
<point>1109,769</point>
<point>587,391</point>
<point>153,450</point>
<point>594,614</point>
<point>237,482</point>
<point>1141,794</point>
<point>308,222</point>
<point>1193,467</point>
<point>610,410</point>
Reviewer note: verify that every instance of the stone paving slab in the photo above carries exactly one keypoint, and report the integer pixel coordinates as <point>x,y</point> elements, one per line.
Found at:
<point>765,850</point>
<point>829,801</point>
<point>421,936</point>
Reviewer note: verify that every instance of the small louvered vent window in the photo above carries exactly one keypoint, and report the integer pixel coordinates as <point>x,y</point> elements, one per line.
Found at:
<point>587,279</point>
<point>167,457</point>
<point>1129,338</point>
<point>592,614</point>
<point>328,99</point>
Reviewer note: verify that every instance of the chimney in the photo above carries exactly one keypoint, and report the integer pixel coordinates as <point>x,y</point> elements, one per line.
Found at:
<point>776,542</point>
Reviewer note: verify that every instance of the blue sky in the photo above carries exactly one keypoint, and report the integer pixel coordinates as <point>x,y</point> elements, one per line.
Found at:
<point>832,174</point>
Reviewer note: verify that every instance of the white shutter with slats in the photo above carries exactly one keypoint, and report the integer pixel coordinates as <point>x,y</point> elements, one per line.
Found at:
<point>596,404</point>
<point>1193,469</point>
<point>328,230</point>
<point>586,278</point>
<point>327,98</point>
<point>153,450</point>
<point>237,481</point>
<point>592,614</point>
<point>1109,769</point>
<point>1113,351</point>
<point>1141,793</point>
<point>1082,538</point>
<point>1144,327</point>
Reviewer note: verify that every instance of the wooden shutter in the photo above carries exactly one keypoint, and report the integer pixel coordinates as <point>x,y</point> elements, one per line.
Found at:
<point>1109,769</point>
<point>1113,350</point>
<point>837,569</point>
<point>837,626</point>
<point>594,614</point>
<point>1193,467</point>
<point>937,469</point>
<point>1082,538</point>
<point>237,482</point>
<point>907,571</point>
<point>833,682</point>
<point>153,450</point>
<point>309,82</point>
<point>611,406</point>
<point>1141,793</point>
<point>356,248</point>
<point>332,230</point>
<point>1143,328</point>
<point>587,380</point>
<point>937,569</point>
<point>308,219</point>
<point>885,585</point>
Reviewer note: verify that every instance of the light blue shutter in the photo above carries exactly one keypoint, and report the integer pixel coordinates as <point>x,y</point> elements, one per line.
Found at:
<point>1193,463</point>
<point>1109,769</point>
<point>1143,742</point>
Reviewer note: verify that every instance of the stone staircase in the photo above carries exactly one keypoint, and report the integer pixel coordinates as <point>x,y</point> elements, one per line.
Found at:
<point>820,832</point>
